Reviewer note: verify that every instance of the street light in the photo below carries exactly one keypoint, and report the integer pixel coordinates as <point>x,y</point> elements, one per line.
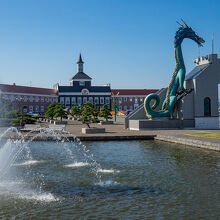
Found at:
<point>115,106</point>
<point>21,108</point>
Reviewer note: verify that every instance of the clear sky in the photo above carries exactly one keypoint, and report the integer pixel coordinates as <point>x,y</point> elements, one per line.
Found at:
<point>128,43</point>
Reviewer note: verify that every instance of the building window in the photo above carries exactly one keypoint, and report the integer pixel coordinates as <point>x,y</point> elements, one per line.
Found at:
<point>135,106</point>
<point>84,100</point>
<point>119,100</point>
<point>101,100</point>
<point>37,99</point>
<point>12,98</point>
<point>42,99</point>
<point>91,100</point>
<point>207,106</point>
<point>25,98</point>
<point>96,100</point>
<point>125,108</point>
<point>47,99</point>
<point>56,100</point>
<point>125,99</point>
<point>37,108</point>
<point>73,100</point>
<point>6,97</point>
<point>136,100</point>
<point>31,99</point>
<point>62,100</point>
<point>131,99</point>
<point>141,99</point>
<point>82,83</point>
<point>67,100</point>
<point>79,100</point>
<point>131,108</point>
<point>42,108</point>
<point>31,108</point>
<point>107,100</point>
<point>120,108</point>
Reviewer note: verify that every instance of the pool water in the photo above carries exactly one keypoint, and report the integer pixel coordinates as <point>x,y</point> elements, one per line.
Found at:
<point>112,180</point>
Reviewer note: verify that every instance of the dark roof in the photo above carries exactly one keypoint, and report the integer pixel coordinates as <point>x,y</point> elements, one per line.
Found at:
<point>80,59</point>
<point>27,89</point>
<point>81,75</point>
<point>79,89</point>
<point>196,71</point>
<point>134,91</point>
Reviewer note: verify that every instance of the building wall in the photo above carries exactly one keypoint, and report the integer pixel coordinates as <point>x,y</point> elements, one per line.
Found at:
<point>34,102</point>
<point>206,85</point>
<point>187,110</point>
<point>207,123</point>
<point>128,102</point>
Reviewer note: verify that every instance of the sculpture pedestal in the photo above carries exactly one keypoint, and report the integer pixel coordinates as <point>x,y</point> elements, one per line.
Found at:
<point>149,124</point>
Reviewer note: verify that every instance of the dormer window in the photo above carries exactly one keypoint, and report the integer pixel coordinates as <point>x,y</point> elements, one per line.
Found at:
<point>82,83</point>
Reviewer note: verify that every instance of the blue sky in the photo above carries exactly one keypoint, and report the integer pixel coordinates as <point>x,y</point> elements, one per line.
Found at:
<point>128,43</point>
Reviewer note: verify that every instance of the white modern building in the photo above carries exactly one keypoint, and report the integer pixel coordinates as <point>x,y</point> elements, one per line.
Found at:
<point>201,106</point>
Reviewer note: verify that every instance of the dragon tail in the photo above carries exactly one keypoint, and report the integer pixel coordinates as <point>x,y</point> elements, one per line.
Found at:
<point>150,108</point>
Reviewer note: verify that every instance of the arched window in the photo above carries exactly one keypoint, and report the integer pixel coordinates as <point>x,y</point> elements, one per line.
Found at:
<point>207,106</point>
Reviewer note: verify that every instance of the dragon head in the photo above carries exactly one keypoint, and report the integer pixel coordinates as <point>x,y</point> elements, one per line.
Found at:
<point>187,32</point>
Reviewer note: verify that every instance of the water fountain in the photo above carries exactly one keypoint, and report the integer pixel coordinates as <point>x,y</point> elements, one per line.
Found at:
<point>17,153</point>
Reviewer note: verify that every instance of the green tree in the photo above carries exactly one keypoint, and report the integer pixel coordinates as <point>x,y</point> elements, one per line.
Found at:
<point>12,114</point>
<point>76,110</point>
<point>22,121</point>
<point>50,111</point>
<point>59,111</point>
<point>88,116</point>
<point>105,112</point>
<point>4,107</point>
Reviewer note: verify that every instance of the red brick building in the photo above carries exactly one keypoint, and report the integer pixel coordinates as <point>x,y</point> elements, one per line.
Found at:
<point>130,99</point>
<point>36,99</point>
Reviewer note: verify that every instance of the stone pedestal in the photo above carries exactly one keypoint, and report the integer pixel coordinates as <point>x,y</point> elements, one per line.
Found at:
<point>60,122</point>
<point>93,130</point>
<point>106,122</point>
<point>145,124</point>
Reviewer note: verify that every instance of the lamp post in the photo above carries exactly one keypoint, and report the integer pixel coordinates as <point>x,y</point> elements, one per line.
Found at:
<point>21,108</point>
<point>115,106</point>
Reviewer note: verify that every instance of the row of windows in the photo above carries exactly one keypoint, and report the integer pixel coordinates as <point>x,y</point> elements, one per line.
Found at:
<point>31,108</point>
<point>126,108</point>
<point>80,100</point>
<point>29,98</point>
<point>131,99</point>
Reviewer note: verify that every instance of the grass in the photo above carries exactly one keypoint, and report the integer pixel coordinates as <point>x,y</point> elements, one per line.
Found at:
<point>206,135</point>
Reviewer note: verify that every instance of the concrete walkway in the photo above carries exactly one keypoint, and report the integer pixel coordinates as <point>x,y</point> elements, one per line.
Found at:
<point>118,132</point>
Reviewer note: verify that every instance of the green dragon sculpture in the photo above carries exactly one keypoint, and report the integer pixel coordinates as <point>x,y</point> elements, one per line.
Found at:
<point>178,77</point>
